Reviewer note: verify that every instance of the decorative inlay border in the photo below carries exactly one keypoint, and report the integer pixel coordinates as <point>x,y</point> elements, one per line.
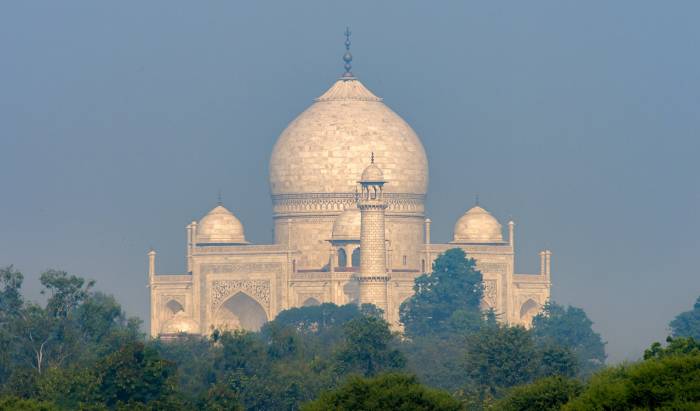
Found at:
<point>337,202</point>
<point>240,267</point>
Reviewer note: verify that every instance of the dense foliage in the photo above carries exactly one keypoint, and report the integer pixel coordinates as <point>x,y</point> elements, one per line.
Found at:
<point>571,328</point>
<point>671,382</point>
<point>80,351</point>
<point>385,392</point>
<point>546,394</point>
<point>447,300</point>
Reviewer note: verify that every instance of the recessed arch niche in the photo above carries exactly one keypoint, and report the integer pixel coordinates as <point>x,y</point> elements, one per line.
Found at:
<point>528,310</point>
<point>240,311</point>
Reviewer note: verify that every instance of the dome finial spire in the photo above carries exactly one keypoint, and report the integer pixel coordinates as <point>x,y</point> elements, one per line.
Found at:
<point>372,158</point>
<point>347,57</point>
<point>219,201</point>
<point>477,200</point>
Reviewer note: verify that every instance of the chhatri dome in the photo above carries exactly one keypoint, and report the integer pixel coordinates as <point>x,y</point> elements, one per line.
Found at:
<point>220,226</point>
<point>477,226</point>
<point>347,225</point>
<point>324,149</point>
<point>372,174</point>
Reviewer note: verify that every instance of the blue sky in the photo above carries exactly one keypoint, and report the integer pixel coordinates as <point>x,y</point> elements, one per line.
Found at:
<point>120,121</point>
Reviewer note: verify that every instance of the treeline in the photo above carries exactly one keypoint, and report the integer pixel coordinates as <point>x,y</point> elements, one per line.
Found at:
<point>79,351</point>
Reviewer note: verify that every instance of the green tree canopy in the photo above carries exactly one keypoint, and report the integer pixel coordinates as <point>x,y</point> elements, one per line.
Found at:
<point>384,392</point>
<point>135,375</point>
<point>570,327</point>
<point>675,346</point>
<point>12,403</point>
<point>367,348</point>
<point>546,394</point>
<point>447,299</point>
<point>65,291</point>
<point>671,383</point>
<point>687,324</point>
<point>501,357</point>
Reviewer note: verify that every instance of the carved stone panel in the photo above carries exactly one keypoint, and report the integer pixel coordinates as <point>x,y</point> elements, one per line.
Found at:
<point>223,289</point>
<point>490,292</point>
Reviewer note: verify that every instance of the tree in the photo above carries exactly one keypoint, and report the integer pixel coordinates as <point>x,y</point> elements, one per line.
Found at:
<point>135,375</point>
<point>319,318</point>
<point>437,362</point>
<point>675,346</point>
<point>11,300</point>
<point>11,303</point>
<point>687,324</point>
<point>546,394</point>
<point>446,299</point>
<point>671,383</point>
<point>66,291</point>
<point>501,357</point>
<point>367,348</point>
<point>12,403</point>
<point>321,326</point>
<point>570,327</point>
<point>384,392</point>
<point>221,398</point>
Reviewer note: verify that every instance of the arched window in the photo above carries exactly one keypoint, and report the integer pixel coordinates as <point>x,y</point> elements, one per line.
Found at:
<point>405,260</point>
<point>342,258</point>
<point>356,257</point>
<point>422,266</point>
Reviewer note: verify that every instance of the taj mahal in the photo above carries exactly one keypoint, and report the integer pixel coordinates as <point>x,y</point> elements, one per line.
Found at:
<point>348,180</point>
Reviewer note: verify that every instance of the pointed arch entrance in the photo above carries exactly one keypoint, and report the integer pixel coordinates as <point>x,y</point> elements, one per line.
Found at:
<point>240,311</point>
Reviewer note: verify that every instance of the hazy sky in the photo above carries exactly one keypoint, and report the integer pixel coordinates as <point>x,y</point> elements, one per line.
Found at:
<point>120,121</point>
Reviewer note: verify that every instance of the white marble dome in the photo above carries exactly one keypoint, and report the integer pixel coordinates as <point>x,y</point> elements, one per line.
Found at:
<point>478,226</point>
<point>220,226</point>
<point>180,323</point>
<point>347,225</point>
<point>326,148</point>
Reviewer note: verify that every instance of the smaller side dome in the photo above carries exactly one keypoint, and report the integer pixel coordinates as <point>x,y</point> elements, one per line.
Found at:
<point>220,226</point>
<point>179,324</point>
<point>372,174</point>
<point>478,226</point>
<point>347,225</point>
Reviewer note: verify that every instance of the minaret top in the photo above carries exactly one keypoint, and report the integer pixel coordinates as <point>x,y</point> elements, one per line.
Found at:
<point>347,57</point>
<point>372,174</point>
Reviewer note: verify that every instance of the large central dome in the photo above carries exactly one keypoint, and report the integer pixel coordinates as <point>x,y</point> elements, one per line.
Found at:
<point>325,149</point>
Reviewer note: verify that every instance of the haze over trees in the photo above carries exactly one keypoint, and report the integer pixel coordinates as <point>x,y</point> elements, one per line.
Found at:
<point>80,351</point>
<point>687,324</point>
